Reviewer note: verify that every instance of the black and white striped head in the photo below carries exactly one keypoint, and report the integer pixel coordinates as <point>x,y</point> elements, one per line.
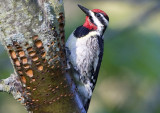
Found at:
<point>96,19</point>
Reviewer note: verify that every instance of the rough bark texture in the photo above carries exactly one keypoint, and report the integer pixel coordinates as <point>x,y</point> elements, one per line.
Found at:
<point>32,32</point>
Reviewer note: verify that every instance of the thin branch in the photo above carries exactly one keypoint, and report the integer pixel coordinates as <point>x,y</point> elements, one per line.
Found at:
<point>4,87</point>
<point>13,86</point>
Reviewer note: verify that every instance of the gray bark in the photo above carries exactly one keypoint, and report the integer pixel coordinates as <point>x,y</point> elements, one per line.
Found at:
<point>32,32</point>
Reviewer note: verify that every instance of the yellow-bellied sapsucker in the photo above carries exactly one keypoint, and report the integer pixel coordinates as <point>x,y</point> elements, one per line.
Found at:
<point>84,49</point>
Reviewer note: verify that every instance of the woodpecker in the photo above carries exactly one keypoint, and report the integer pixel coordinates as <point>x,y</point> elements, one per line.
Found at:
<point>84,50</point>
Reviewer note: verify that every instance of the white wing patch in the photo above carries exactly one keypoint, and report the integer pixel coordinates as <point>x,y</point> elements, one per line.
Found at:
<point>106,21</point>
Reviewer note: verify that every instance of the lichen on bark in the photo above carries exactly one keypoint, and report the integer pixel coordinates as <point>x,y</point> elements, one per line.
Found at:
<point>32,32</point>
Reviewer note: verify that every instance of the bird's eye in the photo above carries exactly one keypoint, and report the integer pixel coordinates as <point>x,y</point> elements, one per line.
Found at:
<point>98,15</point>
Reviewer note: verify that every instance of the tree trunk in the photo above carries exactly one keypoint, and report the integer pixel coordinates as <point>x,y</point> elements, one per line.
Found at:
<point>32,32</point>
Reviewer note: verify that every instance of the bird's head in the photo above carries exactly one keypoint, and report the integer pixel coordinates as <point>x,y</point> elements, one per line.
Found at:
<point>96,19</point>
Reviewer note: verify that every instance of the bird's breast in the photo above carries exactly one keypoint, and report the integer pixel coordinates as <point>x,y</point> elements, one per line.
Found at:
<point>84,52</point>
<point>87,51</point>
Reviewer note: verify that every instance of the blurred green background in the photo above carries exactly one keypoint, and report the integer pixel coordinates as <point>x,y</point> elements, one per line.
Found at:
<point>129,79</point>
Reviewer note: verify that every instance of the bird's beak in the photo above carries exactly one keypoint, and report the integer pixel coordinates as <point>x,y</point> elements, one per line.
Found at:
<point>85,10</point>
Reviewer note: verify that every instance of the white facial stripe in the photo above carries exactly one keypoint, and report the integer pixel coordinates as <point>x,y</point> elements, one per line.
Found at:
<point>106,21</point>
<point>96,21</point>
